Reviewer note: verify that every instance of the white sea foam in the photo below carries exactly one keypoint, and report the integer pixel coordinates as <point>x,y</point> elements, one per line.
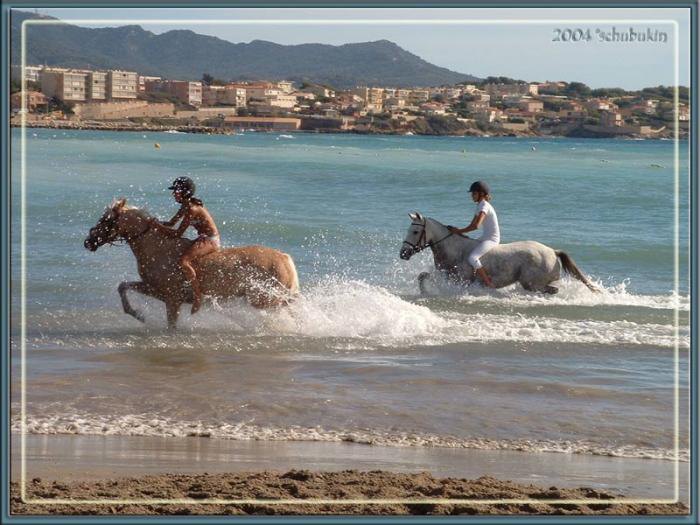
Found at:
<point>571,293</point>
<point>351,314</point>
<point>357,310</point>
<point>157,426</point>
<point>336,309</point>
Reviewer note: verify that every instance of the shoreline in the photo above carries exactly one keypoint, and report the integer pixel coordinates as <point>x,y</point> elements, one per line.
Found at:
<point>90,458</point>
<point>345,492</point>
<point>210,130</point>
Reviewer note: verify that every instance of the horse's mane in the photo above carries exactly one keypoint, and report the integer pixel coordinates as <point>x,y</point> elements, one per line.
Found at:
<point>141,212</point>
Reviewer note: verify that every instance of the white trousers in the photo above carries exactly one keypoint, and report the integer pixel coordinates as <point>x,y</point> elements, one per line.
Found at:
<point>476,253</point>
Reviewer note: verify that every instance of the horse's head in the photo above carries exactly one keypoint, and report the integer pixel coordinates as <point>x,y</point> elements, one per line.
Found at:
<point>415,237</point>
<point>118,222</point>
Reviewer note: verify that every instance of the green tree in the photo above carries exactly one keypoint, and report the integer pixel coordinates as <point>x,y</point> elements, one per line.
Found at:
<point>209,80</point>
<point>577,89</point>
<point>553,104</point>
<point>608,92</point>
<point>56,104</point>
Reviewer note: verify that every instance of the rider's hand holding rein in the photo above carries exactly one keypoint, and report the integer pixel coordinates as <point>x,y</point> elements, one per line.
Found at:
<point>170,232</point>
<point>476,223</point>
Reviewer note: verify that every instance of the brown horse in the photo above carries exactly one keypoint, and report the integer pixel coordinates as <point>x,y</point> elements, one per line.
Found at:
<point>264,276</point>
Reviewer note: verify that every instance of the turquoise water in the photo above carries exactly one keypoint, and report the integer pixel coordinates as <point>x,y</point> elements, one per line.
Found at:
<point>362,357</point>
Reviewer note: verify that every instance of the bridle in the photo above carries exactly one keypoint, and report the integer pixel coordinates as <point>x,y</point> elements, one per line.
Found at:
<point>126,239</point>
<point>421,244</point>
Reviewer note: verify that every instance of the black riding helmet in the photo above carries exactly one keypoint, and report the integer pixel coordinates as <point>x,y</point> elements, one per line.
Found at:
<point>479,186</point>
<point>185,185</point>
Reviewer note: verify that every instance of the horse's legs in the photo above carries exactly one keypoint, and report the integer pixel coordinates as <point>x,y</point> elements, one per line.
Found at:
<point>540,289</point>
<point>172,309</point>
<point>137,286</point>
<point>421,282</point>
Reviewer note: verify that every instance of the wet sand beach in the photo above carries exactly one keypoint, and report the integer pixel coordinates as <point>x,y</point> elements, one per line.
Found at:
<point>119,473</point>
<point>396,493</point>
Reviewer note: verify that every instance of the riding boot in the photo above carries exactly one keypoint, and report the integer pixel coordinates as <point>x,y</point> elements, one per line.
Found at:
<point>484,278</point>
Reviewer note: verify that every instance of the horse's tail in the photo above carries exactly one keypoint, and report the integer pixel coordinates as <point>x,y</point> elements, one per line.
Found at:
<point>570,267</point>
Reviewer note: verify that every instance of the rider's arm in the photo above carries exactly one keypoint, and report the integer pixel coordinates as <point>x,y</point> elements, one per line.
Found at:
<point>175,218</point>
<point>170,232</point>
<point>474,225</point>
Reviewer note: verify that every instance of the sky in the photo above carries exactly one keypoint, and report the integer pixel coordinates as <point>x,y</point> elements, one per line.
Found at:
<point>514,42</point>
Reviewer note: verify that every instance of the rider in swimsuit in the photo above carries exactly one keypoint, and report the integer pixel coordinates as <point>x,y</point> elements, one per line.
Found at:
<point>193,213</point>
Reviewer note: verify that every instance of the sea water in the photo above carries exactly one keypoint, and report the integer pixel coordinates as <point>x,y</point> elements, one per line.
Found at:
<point>361,356</point>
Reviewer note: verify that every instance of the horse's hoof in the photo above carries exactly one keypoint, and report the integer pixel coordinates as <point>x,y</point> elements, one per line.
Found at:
<point>551,289</point>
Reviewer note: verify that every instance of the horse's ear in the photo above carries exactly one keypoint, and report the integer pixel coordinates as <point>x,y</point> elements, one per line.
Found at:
<point>419,217</point>
<point>413,216</point>
<point>119,204</point>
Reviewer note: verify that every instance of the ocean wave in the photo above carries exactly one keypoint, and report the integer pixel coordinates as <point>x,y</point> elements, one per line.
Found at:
<point>156,426</point>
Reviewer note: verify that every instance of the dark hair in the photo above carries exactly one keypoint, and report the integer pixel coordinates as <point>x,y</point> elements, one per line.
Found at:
<point>189,201</point>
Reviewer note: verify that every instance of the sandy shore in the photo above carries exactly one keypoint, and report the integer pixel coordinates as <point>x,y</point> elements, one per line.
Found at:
<point>210,494</point>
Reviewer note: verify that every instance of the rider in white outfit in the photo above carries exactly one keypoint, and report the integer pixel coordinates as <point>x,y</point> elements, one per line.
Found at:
<point>485,217</point>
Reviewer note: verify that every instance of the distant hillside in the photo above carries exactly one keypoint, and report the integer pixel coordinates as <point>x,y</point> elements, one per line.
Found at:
<point>184,54</point>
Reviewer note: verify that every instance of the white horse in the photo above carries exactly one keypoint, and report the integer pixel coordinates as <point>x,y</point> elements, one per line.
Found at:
<point>532,264</point>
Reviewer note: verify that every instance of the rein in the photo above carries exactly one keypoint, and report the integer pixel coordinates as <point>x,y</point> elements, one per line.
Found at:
<point>127,239</point>
<point>138,235</point>
<point>420,247</point>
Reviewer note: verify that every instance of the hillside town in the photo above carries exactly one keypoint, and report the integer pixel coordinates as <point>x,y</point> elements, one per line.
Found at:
<point>114,99</point>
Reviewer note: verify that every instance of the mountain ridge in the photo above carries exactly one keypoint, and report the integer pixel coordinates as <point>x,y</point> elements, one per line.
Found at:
<point>185,54</point>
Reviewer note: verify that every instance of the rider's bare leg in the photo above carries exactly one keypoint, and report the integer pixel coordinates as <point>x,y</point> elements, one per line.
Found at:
<point>199,247</point>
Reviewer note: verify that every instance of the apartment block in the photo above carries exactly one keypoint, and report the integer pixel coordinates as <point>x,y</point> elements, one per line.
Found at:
<point>122,84</point>
<point>64,84</point>
<point>610,119</point>
<point>419,95</point>
<point>285,86</point>
<point>184,90</point>
<point>223,95</point>
<point>31,73</point>
<point>142,82</point>
<point>96,85</point>
<point>373,96</point>
<point>501,90</point>
<point>262,91</point>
